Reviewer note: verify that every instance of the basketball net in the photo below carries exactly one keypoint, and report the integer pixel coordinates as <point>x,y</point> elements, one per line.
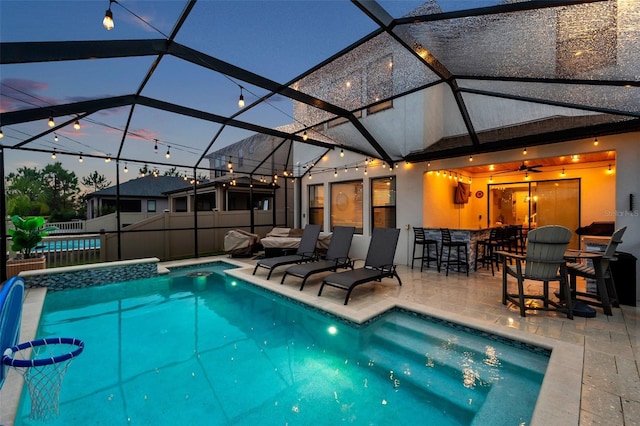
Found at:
<point>48,361</point>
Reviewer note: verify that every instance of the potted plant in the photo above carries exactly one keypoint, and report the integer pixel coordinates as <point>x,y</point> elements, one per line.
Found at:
<point>26,238</point>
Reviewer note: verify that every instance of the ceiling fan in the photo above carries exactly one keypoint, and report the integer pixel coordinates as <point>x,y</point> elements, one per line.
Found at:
<point>524,168</point>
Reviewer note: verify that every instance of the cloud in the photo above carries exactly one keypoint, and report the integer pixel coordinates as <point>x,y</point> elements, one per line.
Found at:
<point>20,93</point>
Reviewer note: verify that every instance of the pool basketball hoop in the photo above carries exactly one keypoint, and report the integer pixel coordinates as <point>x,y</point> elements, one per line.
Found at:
<point>43,363</point>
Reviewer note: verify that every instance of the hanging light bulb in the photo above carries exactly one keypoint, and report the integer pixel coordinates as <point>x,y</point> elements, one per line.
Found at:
<point>490,178</point>
<point>304,136</point>
<point>341,153</point>
<point>309,176</point>
<point>76,125</point>
<point>595,141</point>
<point>108,159</point>
<point>524,151</point>
<point>155,147</point>
<point>609,171</point>
<point>107,22</point>
<point>168,154</point>
<point>345,169</point>
<point>230,164</point>
<point>335,172</point>
<point>80,159</point>
<point>365,171</point>
<point>55,137</point>
<point>356,167</point>
<point>1,133</point>
<point>126,169</point>
<point>51,122</point>
<point>428,163</point>
<point>241,99</point>
<point>526,175</point>
<point>53,154</point>
<point>562,174</point>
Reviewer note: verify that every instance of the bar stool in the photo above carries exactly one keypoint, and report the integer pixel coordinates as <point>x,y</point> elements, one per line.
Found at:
<point>485,251</point>
<point>457,245</point>
<point>420,240</point>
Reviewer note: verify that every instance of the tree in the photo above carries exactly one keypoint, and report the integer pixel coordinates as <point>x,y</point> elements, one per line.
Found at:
<point>62,189</point>
<point>172,172</point>
<point>25,196</point>
<point>96,180</point>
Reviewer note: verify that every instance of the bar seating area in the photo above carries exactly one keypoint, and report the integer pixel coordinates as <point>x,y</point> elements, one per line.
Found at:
<point>461,248</point>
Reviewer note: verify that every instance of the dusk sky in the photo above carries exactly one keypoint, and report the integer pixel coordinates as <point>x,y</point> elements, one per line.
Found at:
<point>276,39</point>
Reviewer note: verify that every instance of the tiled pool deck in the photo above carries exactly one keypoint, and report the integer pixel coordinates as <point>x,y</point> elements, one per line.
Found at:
<point>593,378</point>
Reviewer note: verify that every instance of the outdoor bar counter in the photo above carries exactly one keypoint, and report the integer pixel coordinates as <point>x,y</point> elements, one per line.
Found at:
<point>469,236</point>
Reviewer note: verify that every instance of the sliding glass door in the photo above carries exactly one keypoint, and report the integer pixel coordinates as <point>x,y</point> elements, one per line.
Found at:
<point>537,203</point>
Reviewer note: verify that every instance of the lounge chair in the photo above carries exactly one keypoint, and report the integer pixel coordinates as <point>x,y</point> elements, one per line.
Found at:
<point>306,251</point>
<point>337,257</point>
<point>378,264</point>
<point>543,261</point>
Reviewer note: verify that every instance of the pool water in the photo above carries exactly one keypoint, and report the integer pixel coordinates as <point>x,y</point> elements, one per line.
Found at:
<point>198,347</point>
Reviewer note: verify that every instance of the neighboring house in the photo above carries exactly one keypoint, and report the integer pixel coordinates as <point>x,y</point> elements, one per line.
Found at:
<point>225,193</point>
<point>141,195</point>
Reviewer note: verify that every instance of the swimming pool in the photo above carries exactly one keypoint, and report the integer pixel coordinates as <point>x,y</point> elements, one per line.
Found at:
<point>197,347</point>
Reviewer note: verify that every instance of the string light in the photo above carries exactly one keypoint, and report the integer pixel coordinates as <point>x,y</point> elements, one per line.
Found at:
<point>80,159</point>
<point>345,169</point>
<point>335,172</point>
<point>107,22</point>
<point>562,174</point>
<point>126,169</point>
<point>108,159</point>
<point>341,153</point>
<point>490,178</point>
<point>304,136</point>
<point>609,171</point>
<point>55,137</point>
<point>168,154</point>
<point>595,141</point>
<point>470,158</point>
<point>1,133</point>
<point>51,122</point>
<point>53,154</point>
<point>241,99</point>
<point>365,171</point>
<point>524,151</point>
<point>155,147</point>
<point>76,125</point>
<point>428,163</point>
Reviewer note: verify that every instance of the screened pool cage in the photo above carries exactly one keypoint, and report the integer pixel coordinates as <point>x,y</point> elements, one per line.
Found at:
<point>161,90</point>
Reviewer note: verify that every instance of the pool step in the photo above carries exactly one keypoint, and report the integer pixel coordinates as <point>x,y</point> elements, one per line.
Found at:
<point>402,340</point>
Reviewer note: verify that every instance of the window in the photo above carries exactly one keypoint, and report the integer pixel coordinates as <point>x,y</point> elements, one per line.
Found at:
<point>316,205</point>
<point>180,204</point>
<point>346,205</point>
<point>383,202</point>
<point>206,201</point>
<point>151,206</point>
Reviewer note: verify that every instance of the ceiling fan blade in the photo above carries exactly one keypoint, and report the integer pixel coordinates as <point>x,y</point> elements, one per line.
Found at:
<point>534,170</point>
